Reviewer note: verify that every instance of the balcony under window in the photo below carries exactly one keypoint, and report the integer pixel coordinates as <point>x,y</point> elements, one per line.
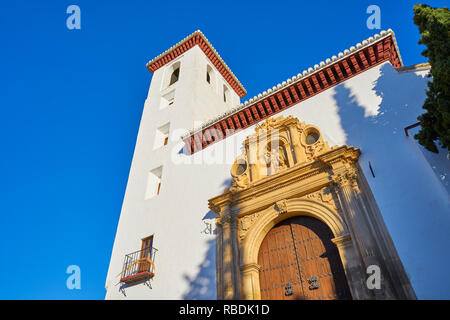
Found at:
<point>139,266</point>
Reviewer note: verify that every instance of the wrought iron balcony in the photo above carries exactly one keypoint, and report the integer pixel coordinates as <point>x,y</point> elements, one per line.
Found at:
<point>139,266</point>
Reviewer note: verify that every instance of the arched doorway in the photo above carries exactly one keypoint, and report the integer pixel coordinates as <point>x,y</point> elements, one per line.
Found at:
<point>298,260</point>
<point>323,183</point>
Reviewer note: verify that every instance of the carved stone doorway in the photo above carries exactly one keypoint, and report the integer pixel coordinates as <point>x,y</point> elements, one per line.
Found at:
<point>287,170</point>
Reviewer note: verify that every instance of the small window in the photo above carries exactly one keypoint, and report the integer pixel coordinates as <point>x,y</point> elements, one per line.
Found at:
<point>171,76</point>
<point>211,78</point>
<point>312,137</point>
<point>153,183</point>
<point>167,100</point>
<point>226,94</point>
<point>175,75</point>
<point>240,167</point>
<point>161,136</point>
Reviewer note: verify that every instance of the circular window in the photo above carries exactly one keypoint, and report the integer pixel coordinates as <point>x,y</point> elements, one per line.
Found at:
<point>241,167</point>
<point>312,137</point>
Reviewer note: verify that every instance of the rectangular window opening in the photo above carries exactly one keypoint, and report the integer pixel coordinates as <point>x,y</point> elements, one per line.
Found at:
<point>153,183</point>
<point>174,76</point>
<point>167,100</point>
<point>161,136</point>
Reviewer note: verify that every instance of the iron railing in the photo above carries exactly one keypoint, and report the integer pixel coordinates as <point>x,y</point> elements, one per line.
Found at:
<point>139,265</point>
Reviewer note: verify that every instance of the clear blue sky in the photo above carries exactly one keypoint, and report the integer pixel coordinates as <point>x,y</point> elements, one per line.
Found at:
<point>71,102</point>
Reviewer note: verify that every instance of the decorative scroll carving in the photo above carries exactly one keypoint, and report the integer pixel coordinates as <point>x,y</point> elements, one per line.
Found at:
<point>269,124</point>
<point>281,206</point>
<point>324,195</point>
<point>346,179</point>
<point>245,224</point>
<point>314,150</point>
<point>214,208</point>
<point>239,182</point>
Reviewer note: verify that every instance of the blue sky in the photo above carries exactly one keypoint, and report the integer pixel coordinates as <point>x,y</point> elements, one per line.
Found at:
<point>72,102</point>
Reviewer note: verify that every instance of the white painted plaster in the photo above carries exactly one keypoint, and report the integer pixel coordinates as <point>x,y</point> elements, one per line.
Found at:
<point>368,111</point>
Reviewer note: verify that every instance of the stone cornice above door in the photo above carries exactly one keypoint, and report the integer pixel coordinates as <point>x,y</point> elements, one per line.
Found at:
<point>301,176</point>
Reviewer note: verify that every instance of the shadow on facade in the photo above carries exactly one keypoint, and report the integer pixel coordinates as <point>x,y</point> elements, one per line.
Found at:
<point>124,286</point>
<point>382,142</point>
<point>381,137</point>
<point>402,96</point>
<point>203,285</point>
<point>407,196</point>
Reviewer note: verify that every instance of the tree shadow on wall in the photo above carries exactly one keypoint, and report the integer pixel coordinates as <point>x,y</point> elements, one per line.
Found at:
<point>381,137</point>
<point>412,213</point>
<point>402,97</point>
<point>203,285</point>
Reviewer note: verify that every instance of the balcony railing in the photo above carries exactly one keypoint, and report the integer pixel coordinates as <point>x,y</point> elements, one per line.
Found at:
<point>138,266</point>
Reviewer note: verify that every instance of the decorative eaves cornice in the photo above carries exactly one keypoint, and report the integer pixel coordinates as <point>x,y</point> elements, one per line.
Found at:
<point>371,52</point>
<point>198,38</point>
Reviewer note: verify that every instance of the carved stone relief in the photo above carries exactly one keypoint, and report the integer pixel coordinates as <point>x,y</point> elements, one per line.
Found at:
<point>276,143</point>
<point>283,164</point>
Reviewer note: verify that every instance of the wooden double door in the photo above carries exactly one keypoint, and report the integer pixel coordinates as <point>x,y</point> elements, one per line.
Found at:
<point>298,260</point>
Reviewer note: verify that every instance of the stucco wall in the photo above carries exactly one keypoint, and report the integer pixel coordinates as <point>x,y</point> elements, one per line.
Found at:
<point>368,111</point>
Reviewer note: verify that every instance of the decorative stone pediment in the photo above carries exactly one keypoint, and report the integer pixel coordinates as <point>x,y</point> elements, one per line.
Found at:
<point>285,170</point>
<point>277,144</point>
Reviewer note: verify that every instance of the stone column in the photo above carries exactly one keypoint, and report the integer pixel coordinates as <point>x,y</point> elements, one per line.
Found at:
<point>250,282</point>
<point>352,267</point>
<point>219,259</point>
<point>346,187</point>
<point>290,159</point>
<point>373,254</point>
<point>234,256</point>
<point>296,145</point>
<point>253,158</point>
<point>230,276</point>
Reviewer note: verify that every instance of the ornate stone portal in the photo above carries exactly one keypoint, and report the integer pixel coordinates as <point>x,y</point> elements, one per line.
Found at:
<point>287,170</point>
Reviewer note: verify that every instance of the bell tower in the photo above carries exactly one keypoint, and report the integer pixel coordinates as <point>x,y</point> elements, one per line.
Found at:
<point>190,84</point>
<point>192,78</point>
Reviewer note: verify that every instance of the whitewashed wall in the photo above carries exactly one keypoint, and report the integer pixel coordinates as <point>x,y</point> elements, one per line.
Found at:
<point>368,111</point>
<point>175,216</point>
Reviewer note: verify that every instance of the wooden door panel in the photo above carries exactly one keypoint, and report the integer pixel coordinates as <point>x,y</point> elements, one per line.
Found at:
<point>293,252</point>
<point>278,264</point>
<point>320,258</point>
<point>310,251</point>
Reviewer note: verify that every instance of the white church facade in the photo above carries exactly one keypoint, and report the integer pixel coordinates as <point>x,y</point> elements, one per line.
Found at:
<point>305,191</point>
